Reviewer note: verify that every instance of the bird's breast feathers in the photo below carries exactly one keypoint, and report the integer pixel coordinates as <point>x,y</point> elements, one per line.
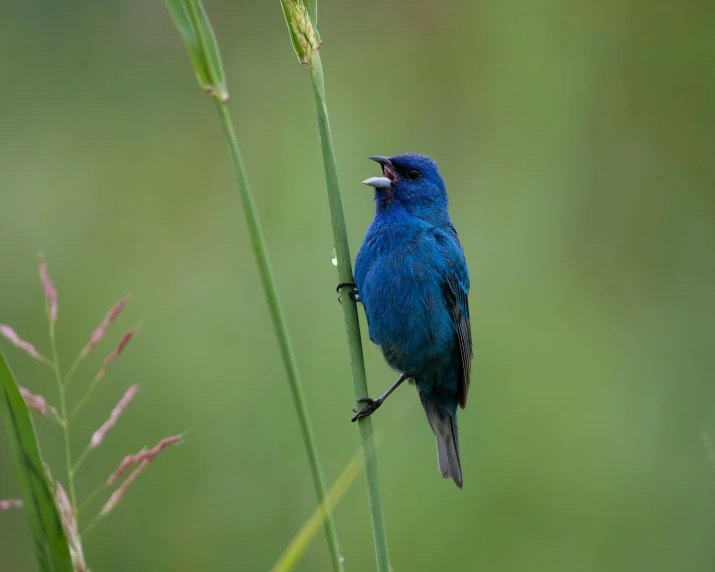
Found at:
<point>400,285</point>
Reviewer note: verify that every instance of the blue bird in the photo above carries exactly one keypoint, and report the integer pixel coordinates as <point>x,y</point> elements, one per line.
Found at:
<point>411,276</point>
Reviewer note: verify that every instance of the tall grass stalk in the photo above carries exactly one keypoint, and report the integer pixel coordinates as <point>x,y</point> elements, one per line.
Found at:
<point>65,418</point>
<point>301,19</point>
<point>296,549</point>
<point>269,287</point>
<point>350,315</point>
<point>190,18</point>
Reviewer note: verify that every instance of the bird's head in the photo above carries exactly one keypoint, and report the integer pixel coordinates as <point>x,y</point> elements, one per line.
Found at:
<point>412,180</point>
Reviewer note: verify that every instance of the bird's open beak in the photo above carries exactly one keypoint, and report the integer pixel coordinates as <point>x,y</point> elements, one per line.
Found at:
<point>390,175</point>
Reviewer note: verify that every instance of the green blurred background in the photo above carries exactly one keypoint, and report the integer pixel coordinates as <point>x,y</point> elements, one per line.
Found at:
<point>577,144</point>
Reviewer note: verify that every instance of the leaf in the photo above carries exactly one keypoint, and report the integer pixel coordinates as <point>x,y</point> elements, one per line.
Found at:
<point>180,16</point>
<point>192,22</point>
<point>312,6</point>
<point>51,548</point>
<point>298,546</point>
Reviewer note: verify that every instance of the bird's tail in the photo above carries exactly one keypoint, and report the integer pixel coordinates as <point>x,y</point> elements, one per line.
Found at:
<point>444,426</point>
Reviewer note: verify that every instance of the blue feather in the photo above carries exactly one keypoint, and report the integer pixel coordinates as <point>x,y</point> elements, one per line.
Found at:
<point>412,278</point>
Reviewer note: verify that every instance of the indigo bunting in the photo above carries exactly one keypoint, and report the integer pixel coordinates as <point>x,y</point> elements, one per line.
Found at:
<point>412,279</point>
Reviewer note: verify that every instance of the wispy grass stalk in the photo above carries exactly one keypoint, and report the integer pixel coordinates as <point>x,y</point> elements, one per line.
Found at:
<point>53,514</point>
<point>193,25</point>
<point>295,550</point>
<point>51,310</point>
<point>300,18</point>
<point>350,316</point>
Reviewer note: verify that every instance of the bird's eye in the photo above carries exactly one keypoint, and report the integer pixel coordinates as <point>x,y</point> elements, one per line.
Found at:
<point>413,174</point>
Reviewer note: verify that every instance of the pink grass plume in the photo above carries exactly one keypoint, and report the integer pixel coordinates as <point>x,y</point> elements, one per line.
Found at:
<point>142,458</point>
<point>11,335</point>
<point>126,338</point>
<point>37,403</point>
<point>98,334</point>
<point>69,522</point>
<point>50,291</point>
<point>99,434</point>
<point>10,504</point>
<point>118,495</point>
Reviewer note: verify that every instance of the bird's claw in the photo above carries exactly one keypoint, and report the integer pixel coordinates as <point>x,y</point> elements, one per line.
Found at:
<point>342,284</point>
<point>369,409</point>
<point>353,294</point>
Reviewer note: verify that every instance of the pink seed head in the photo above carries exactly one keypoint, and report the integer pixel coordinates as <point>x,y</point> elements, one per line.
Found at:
<point>115,354</point>
<point>10,504</point>
<point>143,455</point>
<point>50,291</point>
<point>99,434</point>
<point>142,459</point>
<point>69,523</point>
<point>118,495</point>
<point>11,335</point>
<point>98,334</point>
<point>37,403</point>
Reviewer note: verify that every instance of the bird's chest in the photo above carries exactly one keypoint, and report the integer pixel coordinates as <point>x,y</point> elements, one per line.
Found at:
<point>404,302</point>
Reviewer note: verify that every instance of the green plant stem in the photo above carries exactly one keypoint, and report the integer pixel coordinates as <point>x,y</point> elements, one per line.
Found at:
<point>352,325</point>
<point>90,527</point>
<point>80,460</point>
<point>93,495</point>
<point>65,420</point>
<point>269,288</point>
<point>83,401</point>
<point>71,371</point>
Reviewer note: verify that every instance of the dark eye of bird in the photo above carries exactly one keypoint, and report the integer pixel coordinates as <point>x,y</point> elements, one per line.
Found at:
<point>413,173</point>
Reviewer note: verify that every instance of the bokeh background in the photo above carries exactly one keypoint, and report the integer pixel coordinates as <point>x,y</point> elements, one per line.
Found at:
<point>577,143</point>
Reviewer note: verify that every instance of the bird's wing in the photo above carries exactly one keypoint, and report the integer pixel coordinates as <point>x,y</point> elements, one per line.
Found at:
<point>456,296</point>
<point>364,260</point>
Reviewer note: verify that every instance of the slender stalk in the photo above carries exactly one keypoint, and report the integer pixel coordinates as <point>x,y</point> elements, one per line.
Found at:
<point>63,413</point>
<point>90,527</point>
<point>80,460</point>
<point>269,288</point>
<point>71,371</point>
<point>93,495</point>
<point>83,401</point>
<point>289,559</point>
<point>352,325</point>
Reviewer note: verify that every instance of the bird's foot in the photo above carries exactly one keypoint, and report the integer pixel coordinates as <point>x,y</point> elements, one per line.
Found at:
<point>343,284</point>
<point>353,294</point>
<point>369,409</point>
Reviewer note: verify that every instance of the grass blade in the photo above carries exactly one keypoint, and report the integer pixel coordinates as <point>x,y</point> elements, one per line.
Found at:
<point>312,6</point>
<point>289,559</point>
<point>51,548</point>
<point>190,19</point>
<point>180,16</point>
<point>197,32</point>
<point>300,16</point>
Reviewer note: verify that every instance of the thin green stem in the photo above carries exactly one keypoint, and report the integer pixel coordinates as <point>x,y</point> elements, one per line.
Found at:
<point>350,315</point>
<point>270,290</point>
<point>71,371</point>
<point>65,420</point>
<point>84,400</point>
<point>55,417</point>
<point>93,495</point>
<point>80,460</point>
<point>90,527</point>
